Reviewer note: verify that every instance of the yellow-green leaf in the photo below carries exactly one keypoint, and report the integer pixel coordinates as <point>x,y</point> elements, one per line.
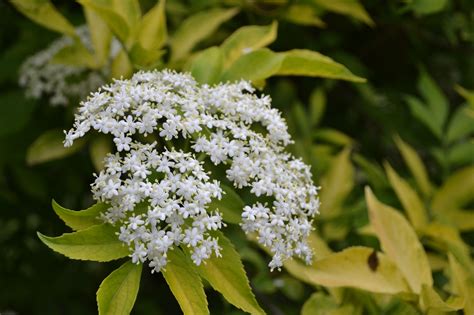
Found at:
<point>410,200</point>
<point>247,39</point>
<point>79,220</point>
<point>346,7</point>
<point>196,28</point>
<point>321,304</point>
<point>462,283</point>
<point>431,301</point>
<point>303,14</point>
<point>400,242</point>
<point>101,36</point>
<point>96,243</point>
<point>76,55</point>
<point>457,191</point>
<point>116,23</point>
<point>333,136</point>
<point>185,283</point>
<point>254,66</point>
<point>310,63</point>
<point>129,10</point>
<point>226,275</point>
<point>350,268</point>
<point>207,65</point>
<point>467,94</point>
<point>337,183</point>
<point>434,97</point>
<point>118,292</point>
<point>317,106</point>
<point>49,146</point>
<point>415,165</point>
<point>44,13</point>
<point>152,31</point>
<point>121,66</point>
<point>461,219</point>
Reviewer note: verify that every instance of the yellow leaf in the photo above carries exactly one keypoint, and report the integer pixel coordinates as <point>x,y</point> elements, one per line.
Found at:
<point>410,200</point>
<point>463,283</point>
<point>456,191</point>
<point>100,36</point>
<point>121,66</point>
<point>347,7</point>
<point>151,31</point>
<point>431,301</point>
<point>415,165</point>
<point>400,242</point>
<point>350,268</point>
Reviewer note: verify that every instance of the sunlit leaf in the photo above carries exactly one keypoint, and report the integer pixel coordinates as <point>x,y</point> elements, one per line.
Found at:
<point>431,301</point>
<point>351,8</point>
<point>303,14</point>
<point>310,63</point>
<point>196,28</point>
<point>49,146</point>
<point>455,192</point>
<point>207,65</point>
<point>400,242</point>
<point>350,268</point>
<point>415,165</point>
<point>185,283</point>
<point>82,219</point>
<point>410,200</point>
<point>101,36</point>
<point>44,13</point>
<point>247,39</point>
<point>226,275</point>
<point>463,283</point>
<point>152,31</point>
<point>96,243</point>
<point>118,292</point>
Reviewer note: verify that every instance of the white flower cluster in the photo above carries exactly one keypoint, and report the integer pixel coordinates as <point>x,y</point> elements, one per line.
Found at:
<point>42,77</point>
<point>225,122</point>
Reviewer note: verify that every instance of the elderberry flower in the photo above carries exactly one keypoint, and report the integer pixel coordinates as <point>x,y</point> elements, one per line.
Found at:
<point>41,76</point>
<point>160,198</point>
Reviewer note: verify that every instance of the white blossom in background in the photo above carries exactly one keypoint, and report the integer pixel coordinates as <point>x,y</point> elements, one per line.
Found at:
<point>59,82</point>
<point>161,199</point>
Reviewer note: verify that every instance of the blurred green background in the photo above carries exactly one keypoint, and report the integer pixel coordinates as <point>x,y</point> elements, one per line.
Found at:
<point>408,44</point>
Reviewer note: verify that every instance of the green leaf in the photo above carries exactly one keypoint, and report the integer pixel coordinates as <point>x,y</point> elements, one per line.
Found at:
<point>410,200</point>
<point>254,66</point>
<point>144,58</point>
<point>76,55</point>
<point>98,150</point>
<point>303,14</point>
<point>467,94</point>
<point>424,115</point>
<point>101,36</point>
<point>430,300</point>
<point>79,220</point>
<point>49,146</point>
<point>317,106</point>
<point>321,304</point>
<point>437,103</point>
<point>230,205</point>
<point>462,153</point>
<point>116,23</point>
<point>118,292</point>
<point>196,28</point>
<point>96,243</point>
<point>457,191</point>
<point>309,63</point>
<point>463,283</point>
<point>207,66</point>
<point>350,8</point>
<point>427,6</point>
<point>461,125</point>
<point>121,66</point>
<point>44,13</point>
<point>247,39</point>
<point>333,136</point>
<point>226,275</point>
<point>350,268</point>
<point>185,283</point>
<point>151,31</point>
<point>338,182</point>
<point>415,165</point>
<point>400,242</point>
<point>372,171</point>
